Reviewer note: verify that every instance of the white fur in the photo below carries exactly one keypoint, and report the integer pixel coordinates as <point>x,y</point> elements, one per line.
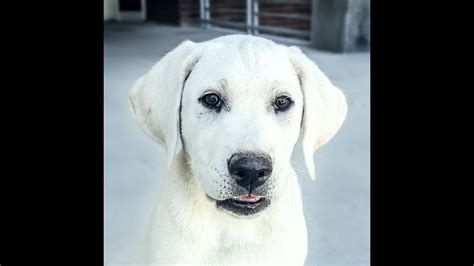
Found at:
<point>250,71</point>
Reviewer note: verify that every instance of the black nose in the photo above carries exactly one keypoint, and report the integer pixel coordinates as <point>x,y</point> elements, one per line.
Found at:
<point>250,170</point>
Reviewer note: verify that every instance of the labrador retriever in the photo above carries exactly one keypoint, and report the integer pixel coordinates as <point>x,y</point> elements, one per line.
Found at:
<point>229,112</point>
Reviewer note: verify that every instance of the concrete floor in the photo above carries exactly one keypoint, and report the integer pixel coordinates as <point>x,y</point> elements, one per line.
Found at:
<point>337,205</point>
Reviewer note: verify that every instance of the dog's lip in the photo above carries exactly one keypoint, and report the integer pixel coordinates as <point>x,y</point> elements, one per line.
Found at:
<point>245,198</point>
<point>246,201</point>
<point>248,205</point>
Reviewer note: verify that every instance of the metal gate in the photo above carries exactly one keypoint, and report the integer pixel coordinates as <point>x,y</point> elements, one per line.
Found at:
<point>252,15</point>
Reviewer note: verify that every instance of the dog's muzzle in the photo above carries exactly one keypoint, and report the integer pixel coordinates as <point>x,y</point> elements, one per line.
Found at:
<point>250,171</point>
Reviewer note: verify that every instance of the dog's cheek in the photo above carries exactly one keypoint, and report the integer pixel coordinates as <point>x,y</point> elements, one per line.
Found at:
<point>282,172</point>
<point>221,183</point>
<point>211,176</point>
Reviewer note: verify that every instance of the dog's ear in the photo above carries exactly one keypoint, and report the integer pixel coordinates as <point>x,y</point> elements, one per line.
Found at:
<point>156,97</point>
<point>324,109</point>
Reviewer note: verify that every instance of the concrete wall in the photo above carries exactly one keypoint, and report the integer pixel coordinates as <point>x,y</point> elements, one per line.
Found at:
<point>341,25</point>
<point>357,35</point>
<point>110,9</point>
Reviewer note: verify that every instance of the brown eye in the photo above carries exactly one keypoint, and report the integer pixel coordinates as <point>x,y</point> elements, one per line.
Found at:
<point>211,101</point>
<point>283,103</point>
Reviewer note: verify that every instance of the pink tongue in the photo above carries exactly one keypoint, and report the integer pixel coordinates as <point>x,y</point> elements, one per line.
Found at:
<point>248,197</point>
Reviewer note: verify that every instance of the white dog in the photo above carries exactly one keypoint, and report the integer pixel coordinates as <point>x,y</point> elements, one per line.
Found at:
<point>229,112</point>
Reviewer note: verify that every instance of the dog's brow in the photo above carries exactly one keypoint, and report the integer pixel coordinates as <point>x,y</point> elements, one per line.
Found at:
<point>220,86</point>
<point>223,85</point>
<point>276,84</point>
<point>279,87</point>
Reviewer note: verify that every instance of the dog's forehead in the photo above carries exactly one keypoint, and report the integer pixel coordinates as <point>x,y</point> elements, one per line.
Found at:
<point>244,63</point>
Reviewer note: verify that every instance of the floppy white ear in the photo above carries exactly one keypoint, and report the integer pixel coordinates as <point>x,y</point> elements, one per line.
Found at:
<point>156,97</point>
<point>324,110</point>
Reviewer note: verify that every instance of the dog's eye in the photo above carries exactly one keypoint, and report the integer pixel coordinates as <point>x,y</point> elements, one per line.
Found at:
<point>283,103</point>
<point>212,101</point>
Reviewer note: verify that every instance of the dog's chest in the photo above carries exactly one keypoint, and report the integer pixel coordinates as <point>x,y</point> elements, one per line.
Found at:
<point>231,247</point>
<point>275,247</point>
<point>264,253</point>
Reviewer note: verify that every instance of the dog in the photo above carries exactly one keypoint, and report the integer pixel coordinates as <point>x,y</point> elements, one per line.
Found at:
<point>229,112</point>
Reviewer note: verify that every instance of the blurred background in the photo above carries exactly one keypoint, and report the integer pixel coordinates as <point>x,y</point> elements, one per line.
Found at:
<point>335,34</point>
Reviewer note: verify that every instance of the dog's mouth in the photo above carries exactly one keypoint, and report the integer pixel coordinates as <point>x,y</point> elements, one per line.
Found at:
<point>244,206</point>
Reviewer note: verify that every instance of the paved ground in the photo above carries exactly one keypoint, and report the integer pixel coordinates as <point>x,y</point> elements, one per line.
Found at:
<point>337,205</point>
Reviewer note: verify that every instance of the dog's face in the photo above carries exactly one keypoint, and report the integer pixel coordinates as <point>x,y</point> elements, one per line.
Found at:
<point>241,115</point>
<point>236,106</point>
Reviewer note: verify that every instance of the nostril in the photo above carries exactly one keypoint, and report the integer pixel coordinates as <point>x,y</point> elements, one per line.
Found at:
<point>262,173</point>
<point>240,174</point>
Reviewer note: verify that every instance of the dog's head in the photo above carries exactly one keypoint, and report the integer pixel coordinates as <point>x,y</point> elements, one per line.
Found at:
<point>236,105</point>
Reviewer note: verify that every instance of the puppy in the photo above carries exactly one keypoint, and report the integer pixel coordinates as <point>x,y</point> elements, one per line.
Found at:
<point>229,112</point>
